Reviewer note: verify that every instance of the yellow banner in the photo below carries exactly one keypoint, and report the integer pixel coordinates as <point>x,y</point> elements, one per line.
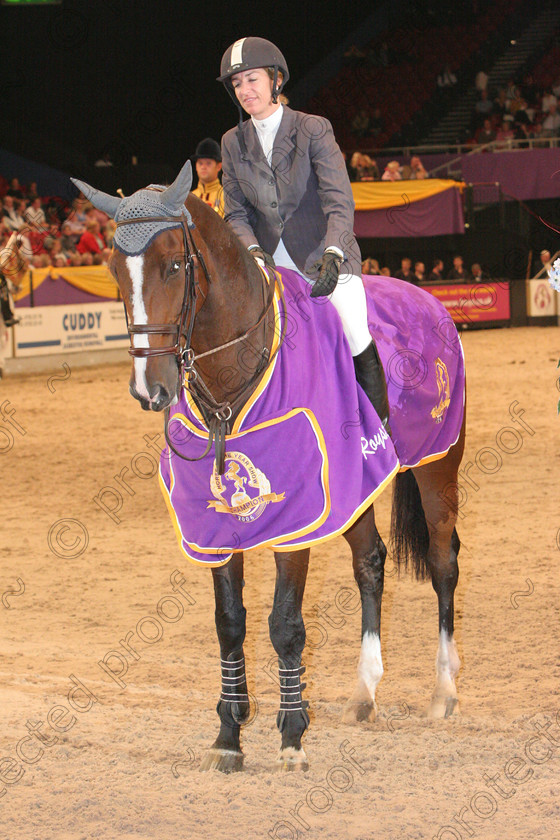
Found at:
<point>95,279</point>
<point>378,195</point>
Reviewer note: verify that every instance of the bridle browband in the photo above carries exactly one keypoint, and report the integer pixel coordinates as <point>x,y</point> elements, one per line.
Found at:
<point>219,413</point>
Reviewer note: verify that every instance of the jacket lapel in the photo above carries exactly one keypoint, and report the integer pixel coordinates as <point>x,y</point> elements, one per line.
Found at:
<point>254,148</point>
<point>285,139</point>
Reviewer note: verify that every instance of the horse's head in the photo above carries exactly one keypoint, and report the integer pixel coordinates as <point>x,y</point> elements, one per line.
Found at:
<point>150,265</point>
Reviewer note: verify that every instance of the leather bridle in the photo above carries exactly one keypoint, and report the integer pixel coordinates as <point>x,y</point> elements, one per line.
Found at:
<point>218,414</point>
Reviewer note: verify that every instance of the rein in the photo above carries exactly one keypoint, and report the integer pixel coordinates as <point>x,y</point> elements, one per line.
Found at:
<point>220,412</point>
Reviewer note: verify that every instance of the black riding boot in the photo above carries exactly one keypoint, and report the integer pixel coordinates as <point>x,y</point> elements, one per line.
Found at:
<point>370,375</point>
<point>5,308</point>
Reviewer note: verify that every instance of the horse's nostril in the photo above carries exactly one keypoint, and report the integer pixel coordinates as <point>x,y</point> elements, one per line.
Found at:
<point>160,399</point>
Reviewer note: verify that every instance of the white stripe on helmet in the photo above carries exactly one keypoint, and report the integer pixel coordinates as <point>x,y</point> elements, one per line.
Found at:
<point>237,52</point>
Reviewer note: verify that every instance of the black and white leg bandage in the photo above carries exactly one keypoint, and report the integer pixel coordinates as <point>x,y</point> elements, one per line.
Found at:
<point>291,689</point>
<point>233,677</point>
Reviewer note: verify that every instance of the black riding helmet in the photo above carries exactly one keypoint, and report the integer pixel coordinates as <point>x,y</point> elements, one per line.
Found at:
<point>248,54</point>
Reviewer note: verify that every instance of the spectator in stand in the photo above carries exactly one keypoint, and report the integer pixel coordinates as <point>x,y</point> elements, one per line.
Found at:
<point>458,272</point>
<point>15,190</point>
<point>481,81</point>
<point>77,217</point>
<point>91,242</point>
<point>109,232</point>
<point>512,91</point>
<point>392,172</point>
<point>500,107</point>
<point>520,114</point>
<point>436,274</point>
<point>483,107</point>
<point>360,124</point>
<point>370,266</point>
<point>446,79</point>
<point>105,256</point>
<point>478,275</point>
<point>504,135</point>
<point>377,123</point>
<point>529,89</point>
<point>549,98</point>
<point>405,272</point>
<point>35,215</point>
<point>486,134</point>
<point>536,134</point>
<point>361,170</point>
<point>419,272</point>
<point>367,169</point>
<point>68,240</point>
<point>93,213</point>
<point>87,258</point>
<point>40,260</point>
<point>32,192</point>
<point>415,171</point>
<point>12,219</point>
<point>385,271</point>
<point>551,122</point>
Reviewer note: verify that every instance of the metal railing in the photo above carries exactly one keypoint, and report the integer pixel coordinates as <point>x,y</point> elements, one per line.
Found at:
<point>462,149</point>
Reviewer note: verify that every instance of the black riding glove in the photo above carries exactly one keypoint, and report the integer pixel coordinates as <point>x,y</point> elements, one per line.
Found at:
<point>261,256</point>
<point>328,269</point>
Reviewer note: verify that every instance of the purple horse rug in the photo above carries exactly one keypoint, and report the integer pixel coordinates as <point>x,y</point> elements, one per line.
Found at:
<point>308,455</point>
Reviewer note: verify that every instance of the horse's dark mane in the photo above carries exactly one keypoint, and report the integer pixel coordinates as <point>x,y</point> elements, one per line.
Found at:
<point>220,229</point>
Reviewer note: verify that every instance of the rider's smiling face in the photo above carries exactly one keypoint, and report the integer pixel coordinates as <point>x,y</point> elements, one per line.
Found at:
<point>253,89</point>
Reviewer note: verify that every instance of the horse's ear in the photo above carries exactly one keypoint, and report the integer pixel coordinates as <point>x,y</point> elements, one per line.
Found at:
<point>103,201</point>
<point>175,196</point>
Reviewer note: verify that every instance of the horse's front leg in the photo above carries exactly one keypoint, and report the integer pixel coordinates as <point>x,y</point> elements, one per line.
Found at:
<point>287,633</point>
<point>233,707</point>
<point>368,555</point>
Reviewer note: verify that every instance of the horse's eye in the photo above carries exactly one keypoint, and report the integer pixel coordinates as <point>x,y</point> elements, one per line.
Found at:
<point>175,267</point>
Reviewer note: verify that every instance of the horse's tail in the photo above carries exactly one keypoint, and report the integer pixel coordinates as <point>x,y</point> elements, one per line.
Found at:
<point>409,530</point>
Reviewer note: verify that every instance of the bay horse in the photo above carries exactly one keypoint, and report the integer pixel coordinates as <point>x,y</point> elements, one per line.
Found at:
<point>193,297</point>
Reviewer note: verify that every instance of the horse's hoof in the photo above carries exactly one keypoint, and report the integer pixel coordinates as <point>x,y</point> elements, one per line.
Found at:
<point>356,711</point>
<point>291,759</point>
<point>226,761</point>
<point>442,707</point>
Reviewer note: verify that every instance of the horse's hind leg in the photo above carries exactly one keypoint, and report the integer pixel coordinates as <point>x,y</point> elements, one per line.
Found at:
<point>287,634</point>
<point>233,706</point>
<point>437,482</point>
<point>368,554</point>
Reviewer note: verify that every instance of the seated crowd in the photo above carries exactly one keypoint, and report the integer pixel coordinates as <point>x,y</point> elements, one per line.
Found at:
<point>418,275</point>
<point>363,168</point>
<point>522,111</point>
<point>52,233</point>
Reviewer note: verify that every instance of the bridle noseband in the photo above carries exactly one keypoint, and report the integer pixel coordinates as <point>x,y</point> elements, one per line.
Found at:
<point>219,413</point>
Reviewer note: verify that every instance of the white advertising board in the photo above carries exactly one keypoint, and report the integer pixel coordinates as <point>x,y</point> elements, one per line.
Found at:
<point>542,300</point>
<point>70,329</point>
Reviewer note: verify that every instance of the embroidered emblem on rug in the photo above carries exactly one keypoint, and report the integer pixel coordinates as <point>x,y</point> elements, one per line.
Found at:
<point>242,505</point>
<point>444,390</point>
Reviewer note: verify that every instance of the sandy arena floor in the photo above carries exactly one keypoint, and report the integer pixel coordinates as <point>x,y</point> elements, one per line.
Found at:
<point>76,580</point>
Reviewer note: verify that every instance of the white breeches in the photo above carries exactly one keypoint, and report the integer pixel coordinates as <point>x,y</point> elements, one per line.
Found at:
<point>349,300</point>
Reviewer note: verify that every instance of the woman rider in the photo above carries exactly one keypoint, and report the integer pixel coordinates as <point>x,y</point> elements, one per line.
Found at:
<point>287,193</point>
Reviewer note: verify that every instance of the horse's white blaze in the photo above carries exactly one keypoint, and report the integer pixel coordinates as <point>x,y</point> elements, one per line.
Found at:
<point>447,665</point>
<point>135,266</point>
<point>370,666</point>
